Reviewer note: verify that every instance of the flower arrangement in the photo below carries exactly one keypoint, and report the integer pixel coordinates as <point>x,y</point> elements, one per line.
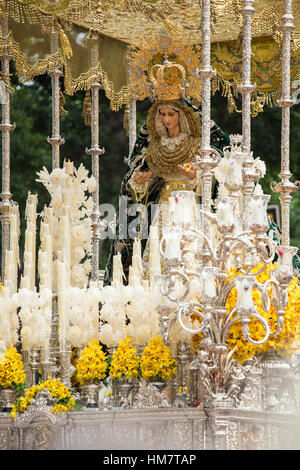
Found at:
<point>72,187</point>
<point>157,362</point>
<point>35,314</point>
<point>83,308</point>
<point>64,402</point>
<point>286,342</point>
<point>9,321</point>
<point>12,373</point>
<point>141,311</point>
<point>125,363</point>
<point>92,365</point>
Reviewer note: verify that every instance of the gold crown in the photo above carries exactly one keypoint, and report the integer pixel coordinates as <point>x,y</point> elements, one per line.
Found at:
<point>168,80</point>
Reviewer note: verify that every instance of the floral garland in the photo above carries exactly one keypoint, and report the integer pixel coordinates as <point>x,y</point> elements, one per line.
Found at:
<point>64,402</point>
<point>12,374</point>
<point>286,342</point>
<point>157,362</point>
<point>92,364</point>
<point>125,362</point>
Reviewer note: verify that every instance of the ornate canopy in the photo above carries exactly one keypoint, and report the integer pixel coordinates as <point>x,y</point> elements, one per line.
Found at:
<point>118,25</point>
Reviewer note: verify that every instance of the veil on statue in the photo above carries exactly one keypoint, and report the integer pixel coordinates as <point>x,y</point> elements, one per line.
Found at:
<point>153,152</point>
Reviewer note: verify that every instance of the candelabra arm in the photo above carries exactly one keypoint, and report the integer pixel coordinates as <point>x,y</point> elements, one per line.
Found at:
<point>171,284</point>
<point>245,329</point>
<point>188,310</point>
<point>228,324</point>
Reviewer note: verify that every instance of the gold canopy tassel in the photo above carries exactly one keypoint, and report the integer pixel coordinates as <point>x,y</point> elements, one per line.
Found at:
<point>126,119</point>
<point>87,109</point>
<point>64,42</point>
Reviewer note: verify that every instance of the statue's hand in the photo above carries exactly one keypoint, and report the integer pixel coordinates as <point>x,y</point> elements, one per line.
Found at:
<point>142,177</point>
<point>188,169</point>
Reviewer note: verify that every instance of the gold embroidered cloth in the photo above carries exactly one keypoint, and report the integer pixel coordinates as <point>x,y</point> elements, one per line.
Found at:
<point>120,23</point>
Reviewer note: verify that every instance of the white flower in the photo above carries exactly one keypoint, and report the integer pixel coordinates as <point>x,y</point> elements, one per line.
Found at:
<point>106,335</point>
<point>79,232</point>
<point>75,336</point>
<point>89,206</point>
<point>57,176</point>
<point>81,173</point>
<point>44,176</point>
<point>26,334</point>
<point>27,297</point>
<point>45,296</point>
<point>261,166</point>
<point>77,254</point>
<point>221,170</point>
<point>92,184</point>
<point>2,351</point>
<point>87,266</point>
<point>78,275</point>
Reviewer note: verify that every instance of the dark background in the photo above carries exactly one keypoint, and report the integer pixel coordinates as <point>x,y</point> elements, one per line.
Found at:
<point>31,111</point>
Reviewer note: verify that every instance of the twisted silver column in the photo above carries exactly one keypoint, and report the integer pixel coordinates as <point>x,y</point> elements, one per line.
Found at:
<point>6,127</point>
<point>95,151</point>
<point>209,158</point>
<point>285,188</point>
<point>132,124</point>
<point>55,72</point>
<point>246,88</point>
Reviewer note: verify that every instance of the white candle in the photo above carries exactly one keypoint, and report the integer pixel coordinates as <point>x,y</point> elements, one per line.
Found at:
<point>117,270</point>
<point>133,278</point>
<point>183,207</point>
<point>154,252</point>
<point>69,166</point>
<point>28,240</point>
<point>244,285</point>
<point>234,173</point>
<point>171,210</point>
<point>209,285</point>
<point>67,193</point>
<point>25,284</point>
<point>66,242</point>
<point>137,259</point>
<point>172,244</point>
<point>258,209</point>
<point>49,254</point>
<point>62,313</point>
<point>9,256</point>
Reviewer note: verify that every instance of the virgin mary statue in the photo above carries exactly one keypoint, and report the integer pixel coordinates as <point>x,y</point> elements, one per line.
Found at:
<point>161,162</point>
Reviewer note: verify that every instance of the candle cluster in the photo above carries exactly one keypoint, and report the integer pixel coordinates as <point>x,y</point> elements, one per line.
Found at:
<point>53,267</point>
<point>130,310</point>
<point>64,254</point>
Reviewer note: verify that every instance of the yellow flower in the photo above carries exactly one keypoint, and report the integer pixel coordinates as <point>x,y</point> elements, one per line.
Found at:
<point>125,362</point>
<point>11,369</point>
<point>91,364</point>
<point>157,361</point>
<point>57,390</point>
<point>286,342</point>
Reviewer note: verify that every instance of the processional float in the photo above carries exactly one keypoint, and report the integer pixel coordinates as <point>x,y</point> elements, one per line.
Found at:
<point>247,244</point>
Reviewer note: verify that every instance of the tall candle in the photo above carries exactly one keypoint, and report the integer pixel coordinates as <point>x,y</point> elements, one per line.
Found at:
<point>62,313</point>
<point>137,259</point>
<point>66,242</point>
<point>154,252</point>
<point>69,166</point>
<point>8,266</point>
<point>117,270</point>
<point>172,244</point>
<point>25,284</point>
<point>209,285</point>
<point>244,285</point>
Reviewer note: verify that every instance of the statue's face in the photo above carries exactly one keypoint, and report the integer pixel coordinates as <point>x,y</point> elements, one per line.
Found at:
<point>169,117</point>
